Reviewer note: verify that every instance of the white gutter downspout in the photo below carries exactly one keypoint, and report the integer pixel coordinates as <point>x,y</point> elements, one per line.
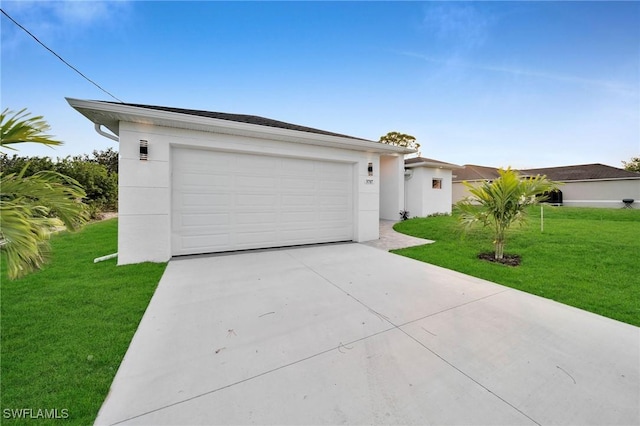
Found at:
<point>105,134</point>
<point>103,258</point>
<point>113,138</point>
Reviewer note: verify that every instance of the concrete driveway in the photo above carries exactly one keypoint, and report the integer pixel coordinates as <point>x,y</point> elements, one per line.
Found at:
<point>349,334</point>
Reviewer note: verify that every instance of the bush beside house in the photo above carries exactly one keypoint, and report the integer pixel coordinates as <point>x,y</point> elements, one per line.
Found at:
<point>97,173</point>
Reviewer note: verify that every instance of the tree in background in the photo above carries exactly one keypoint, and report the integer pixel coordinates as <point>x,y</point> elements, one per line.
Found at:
<point>633,165</point>
<point>32,206</point>
<point>400,139</point>
<point>502,202</point>
<point>108,158</point>
<point>100,185</point>
<point>97,174</point>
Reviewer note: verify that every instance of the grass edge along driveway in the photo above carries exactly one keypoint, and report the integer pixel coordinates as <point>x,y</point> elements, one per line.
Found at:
<point>586,257</point>
<point>66,328</point>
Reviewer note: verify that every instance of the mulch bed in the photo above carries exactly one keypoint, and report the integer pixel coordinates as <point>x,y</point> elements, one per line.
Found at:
<point>107,215</point>
<point>508,259</point>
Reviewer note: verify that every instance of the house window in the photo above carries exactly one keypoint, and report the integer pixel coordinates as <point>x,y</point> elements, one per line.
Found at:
<point>436,183</point>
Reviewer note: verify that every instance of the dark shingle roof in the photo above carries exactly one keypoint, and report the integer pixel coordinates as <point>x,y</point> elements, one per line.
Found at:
<point>242,118</point>
<point>559,174</point>
<point>582,172</point>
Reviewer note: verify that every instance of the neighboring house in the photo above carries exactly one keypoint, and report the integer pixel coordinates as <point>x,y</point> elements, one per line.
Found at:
<point>587,185</point>
<point>428,186</point>
<point>193,182</point>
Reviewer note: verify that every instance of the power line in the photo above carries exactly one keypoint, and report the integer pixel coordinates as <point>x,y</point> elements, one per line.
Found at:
<point>59,57</point>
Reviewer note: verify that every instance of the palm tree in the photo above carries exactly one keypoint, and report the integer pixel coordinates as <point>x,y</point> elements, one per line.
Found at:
<point>21,128</point>
<point>32,206</point>
<point>502,202</point>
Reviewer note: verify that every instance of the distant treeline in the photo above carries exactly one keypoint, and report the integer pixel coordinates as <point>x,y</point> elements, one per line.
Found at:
<point>97,173</point>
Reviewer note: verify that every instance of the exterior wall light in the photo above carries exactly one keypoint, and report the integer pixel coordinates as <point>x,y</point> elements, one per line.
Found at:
<point>144,150</point>
<point>370,169</point>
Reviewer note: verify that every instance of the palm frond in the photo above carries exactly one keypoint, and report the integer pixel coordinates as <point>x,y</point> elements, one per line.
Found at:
<point>19,127</point>
<point>24,237</point>
<point>30,208</point>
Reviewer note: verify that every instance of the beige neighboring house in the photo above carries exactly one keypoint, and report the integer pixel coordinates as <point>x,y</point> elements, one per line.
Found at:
<point>586,185</point>
<point>428,186</point>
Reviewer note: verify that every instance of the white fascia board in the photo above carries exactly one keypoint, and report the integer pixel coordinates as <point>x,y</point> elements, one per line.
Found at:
<point>109,115</point>
<point>429,164</point>
<point>600,180</point>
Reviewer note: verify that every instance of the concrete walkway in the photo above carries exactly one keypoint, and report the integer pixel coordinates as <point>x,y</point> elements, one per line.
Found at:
<point>348,334</point>
<point>392,240</point>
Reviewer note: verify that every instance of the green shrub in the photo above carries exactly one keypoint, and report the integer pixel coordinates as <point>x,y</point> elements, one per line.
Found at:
<point>100,186</point>
<point>15,164</point>
<point>98,174</point>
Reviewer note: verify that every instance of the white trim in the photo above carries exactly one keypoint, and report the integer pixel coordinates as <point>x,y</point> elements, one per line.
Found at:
<point>110,115</point>
<point>434,165</point>
<point>601,180</point>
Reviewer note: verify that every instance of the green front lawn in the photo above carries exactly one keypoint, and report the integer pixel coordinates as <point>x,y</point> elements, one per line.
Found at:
<point>586,257</point>
<point>66,328</point>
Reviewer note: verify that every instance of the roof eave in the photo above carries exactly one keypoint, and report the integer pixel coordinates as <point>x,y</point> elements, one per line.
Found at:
<point>599,179</point>
<point>110,115</point>
<point>433,165</point>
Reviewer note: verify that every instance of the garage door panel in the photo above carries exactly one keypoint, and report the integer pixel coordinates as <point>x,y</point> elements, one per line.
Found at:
<point>333,170</point>
<point>298,184</point>
<point>199,200</point>
<point>197,243</point>
<point>299,216</point>
<point>251,164</point>
<point>299,234</point>
<point>295,167</point>
<point>205,219</point>
<point>191,160</point>
<point>291,200</point>
<point>253,200</point>
<point>332,216</point>
<point>243,182</point>
<point>340,201</point>
<point>197,181</point>
<point>228,201</point>
<point>332,186</point>
<point>248,238</point>
<point>247,218</point>
<point>339,229</point>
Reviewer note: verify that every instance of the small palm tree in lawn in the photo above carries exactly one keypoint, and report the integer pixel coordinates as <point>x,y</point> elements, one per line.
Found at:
<point>502,202</point>
<point>32,206</point>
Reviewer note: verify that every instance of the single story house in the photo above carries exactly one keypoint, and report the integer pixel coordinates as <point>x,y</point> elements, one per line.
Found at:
<point>193,182</point>
<point>428,186</point>
<point>587,185</point>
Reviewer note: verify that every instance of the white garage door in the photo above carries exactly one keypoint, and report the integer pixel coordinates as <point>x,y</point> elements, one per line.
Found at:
<point>225,201</point>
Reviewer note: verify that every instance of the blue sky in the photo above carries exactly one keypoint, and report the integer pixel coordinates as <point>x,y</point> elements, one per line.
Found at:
<point>526,84</point>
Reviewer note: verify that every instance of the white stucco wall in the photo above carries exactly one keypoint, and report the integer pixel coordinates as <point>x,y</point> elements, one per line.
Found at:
<point>421,199</point>
<point>413,192</point>
<point>593,193</point>
<point>391,187</point>
<point>144,232</point>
